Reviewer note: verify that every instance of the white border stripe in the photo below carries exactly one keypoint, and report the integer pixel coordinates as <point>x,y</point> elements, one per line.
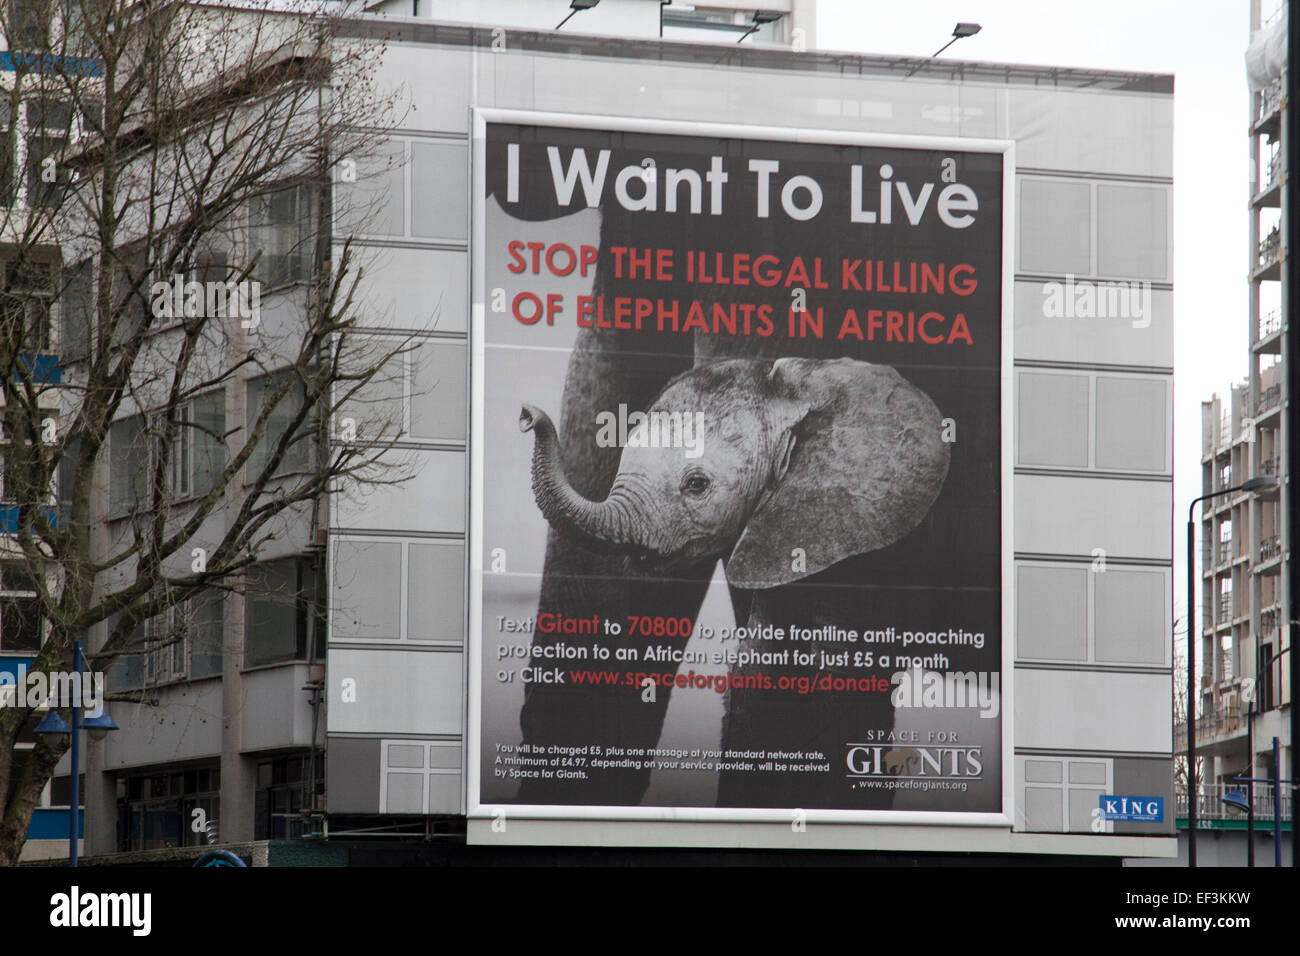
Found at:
<point>475,809</point>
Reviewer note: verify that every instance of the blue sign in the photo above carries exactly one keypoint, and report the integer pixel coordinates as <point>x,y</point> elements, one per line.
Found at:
<point>1133,809</point>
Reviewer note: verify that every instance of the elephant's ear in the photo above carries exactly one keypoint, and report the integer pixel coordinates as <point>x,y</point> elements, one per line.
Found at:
<point>865,465</point>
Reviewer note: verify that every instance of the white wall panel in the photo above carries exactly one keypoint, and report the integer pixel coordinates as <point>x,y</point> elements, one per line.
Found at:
<point>1075,515</point>
<point>397,691</point>
<point>1092,710</point>
<point>1114,339</point>
<point>433,500</point>
<point>423,289</point>
<point>276,712</point>
<point>1092,131</point>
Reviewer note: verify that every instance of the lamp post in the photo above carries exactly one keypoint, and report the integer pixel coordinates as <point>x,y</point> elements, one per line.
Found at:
<point>97,727</point>
<point>959,32</point>
<point>577,6</point>
<point>1250,484</point>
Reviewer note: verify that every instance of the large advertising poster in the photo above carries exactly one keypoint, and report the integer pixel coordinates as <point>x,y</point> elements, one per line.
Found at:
<point>740,532</point>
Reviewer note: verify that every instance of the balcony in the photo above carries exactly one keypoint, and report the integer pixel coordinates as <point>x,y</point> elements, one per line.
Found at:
<point>1268,256</point>
<point>1268,123</point>
<point>1210,806</point>
<point>1212,726</point>
<point>1270,548</point>
<point>1224,613</point>
<point>1270,323</point>
<point>1270,193</point>
<point>1223,553</point>
<point>1270,398</point>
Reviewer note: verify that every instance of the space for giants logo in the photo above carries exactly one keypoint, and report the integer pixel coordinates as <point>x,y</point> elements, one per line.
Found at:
<point>913,763</point>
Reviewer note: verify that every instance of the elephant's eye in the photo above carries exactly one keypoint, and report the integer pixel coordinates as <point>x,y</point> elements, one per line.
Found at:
<point>696,484</point>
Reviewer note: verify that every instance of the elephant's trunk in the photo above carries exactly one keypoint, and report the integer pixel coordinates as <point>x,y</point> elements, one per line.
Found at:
<point>610,520</point>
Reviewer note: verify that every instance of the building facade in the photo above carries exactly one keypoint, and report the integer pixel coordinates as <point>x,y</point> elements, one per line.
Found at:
<point>355,704</point>
<point>1243,684</point>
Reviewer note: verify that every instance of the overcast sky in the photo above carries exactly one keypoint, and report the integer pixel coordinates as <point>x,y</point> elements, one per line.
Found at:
<point>1202,42</point>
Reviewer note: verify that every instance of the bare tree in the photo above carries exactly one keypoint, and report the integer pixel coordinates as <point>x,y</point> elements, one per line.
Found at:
<point>164,208</point>
<point>1180,719</point>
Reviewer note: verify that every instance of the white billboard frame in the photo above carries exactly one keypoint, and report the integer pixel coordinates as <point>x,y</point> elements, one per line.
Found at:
<point>476,810</point>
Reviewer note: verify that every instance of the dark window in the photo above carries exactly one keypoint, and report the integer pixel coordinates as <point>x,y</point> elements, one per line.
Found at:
<point>29,24</point>
<point>128,472</point>
<point>283,612</point>
<point>20,616</point>
<point>207,614</point>
<point>25,302</point>
<point>282,794</point>
<point>127,670</point>
<point>75,306</point>
<point>61,790</point>
<point>205,456</point>
<point>1264,692</point>
<point>300,454</point>
<point>67,476</point>
<point>8,144</point>
<point>282,226</point>
<point>49,127</point>
<point>157,810</point>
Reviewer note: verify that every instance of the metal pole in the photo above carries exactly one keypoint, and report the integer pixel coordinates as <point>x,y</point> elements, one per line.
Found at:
<point>1250,784</point>
<point>1191,695</point>
<point>1291,236</point>
<point>1277,802</point>
<point>74,812</point>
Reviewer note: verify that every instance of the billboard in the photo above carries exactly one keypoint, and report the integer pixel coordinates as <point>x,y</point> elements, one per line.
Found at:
<point>740,473</point>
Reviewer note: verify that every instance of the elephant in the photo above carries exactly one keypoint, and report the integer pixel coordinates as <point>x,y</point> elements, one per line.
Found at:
<point>803,463</point>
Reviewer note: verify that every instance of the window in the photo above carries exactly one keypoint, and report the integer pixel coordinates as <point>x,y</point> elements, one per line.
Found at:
<point>75,305</point>
<point>128,479</point>
<point>127,670</point>
<point>282,226</point>
<point>28,24</point>
<point>718,25</point>
<point>156,810</point>
<point>25,302</point>
<point>20,618</point>
<point>8,185</point>
<point>198,451</point>
<point>300,454</point>
<point>49,127</point>
<point>280,790</point>
<point>184,642</point>
<point>1264,692</point>
<point>198,454</point>
<point>284,615</point>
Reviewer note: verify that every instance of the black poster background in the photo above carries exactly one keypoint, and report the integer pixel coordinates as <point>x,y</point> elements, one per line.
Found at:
<point>944,574</point>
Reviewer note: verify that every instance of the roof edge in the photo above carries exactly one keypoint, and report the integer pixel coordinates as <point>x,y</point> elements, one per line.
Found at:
<point>756,57</point>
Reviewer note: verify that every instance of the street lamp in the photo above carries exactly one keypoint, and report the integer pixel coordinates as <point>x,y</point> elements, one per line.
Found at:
<point>577,6</point>
<point>55,726</point>
<point>1251,484</point>
<point>959,32</point>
